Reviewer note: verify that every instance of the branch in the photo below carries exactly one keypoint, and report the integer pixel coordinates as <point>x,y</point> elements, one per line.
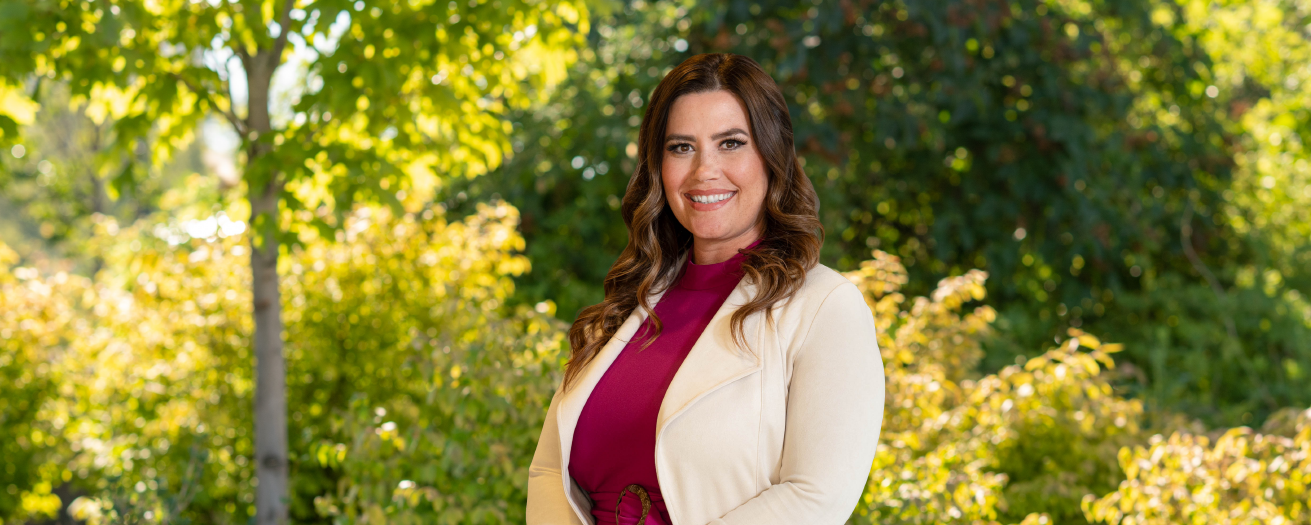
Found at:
<point>1186,236</point>
<point>204,93</point>
<point>188,482</point>
<point>284,23</point>
<point>235,41</point>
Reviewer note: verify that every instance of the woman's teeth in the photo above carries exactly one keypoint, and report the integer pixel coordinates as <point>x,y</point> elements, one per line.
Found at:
<point>710,199</point>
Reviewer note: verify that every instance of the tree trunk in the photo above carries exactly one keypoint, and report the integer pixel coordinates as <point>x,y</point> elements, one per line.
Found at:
<point>271,472</point>
<point>98,194</point>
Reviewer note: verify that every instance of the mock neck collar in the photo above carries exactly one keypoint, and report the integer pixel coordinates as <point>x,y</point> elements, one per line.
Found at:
<point>707,276</point>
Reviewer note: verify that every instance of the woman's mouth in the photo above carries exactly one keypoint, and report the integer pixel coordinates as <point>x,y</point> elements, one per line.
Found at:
<point>711,201</point>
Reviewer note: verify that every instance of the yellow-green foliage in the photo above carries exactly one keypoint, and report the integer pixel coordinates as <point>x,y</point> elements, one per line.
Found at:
<point>1241,477</point>
<point>412,393</point>
<point>431,398</point>
<point>415,396</point>
<point>1042,440</point>
<point>1027,442</point>
<point>28,325</point>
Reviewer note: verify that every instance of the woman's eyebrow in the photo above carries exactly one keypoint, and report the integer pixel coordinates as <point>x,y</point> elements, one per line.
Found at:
<point>726,133</point>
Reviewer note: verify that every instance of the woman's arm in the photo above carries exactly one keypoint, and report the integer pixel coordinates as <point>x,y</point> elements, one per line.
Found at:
<point>546,497</point>
<point>834,413</point>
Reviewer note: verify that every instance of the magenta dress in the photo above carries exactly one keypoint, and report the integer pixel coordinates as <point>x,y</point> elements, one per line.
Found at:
<point>614,442</point>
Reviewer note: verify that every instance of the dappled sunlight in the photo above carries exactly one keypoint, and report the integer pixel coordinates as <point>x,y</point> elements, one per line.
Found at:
<point>1083,229</point>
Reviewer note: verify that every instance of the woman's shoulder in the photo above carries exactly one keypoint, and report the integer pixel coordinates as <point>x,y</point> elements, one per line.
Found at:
<point>826,302</point>
<point>822,281</point>
<point>821,284</point>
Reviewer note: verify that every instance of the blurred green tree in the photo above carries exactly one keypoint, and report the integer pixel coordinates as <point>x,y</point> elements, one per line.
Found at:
<point>69,177</point>
<point>382,103</point>
<point>1076,150</point>
<point>1260,78</point>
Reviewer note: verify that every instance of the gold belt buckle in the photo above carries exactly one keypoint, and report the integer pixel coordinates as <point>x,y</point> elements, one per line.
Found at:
<point>641,494</point>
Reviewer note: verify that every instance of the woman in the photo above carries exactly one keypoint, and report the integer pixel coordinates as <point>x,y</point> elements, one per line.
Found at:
<point>727,377</point>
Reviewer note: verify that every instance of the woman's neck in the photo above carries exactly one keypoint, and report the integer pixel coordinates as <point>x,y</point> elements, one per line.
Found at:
<point>708,251</point>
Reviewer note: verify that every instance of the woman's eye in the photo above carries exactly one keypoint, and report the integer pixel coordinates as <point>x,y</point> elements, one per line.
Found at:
<point>732,144</point>
<point>680,148</point>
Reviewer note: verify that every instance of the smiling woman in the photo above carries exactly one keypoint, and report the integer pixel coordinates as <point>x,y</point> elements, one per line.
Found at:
<point>720,334</point>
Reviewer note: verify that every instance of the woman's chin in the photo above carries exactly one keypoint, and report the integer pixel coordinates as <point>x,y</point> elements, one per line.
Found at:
<point>712,234</point>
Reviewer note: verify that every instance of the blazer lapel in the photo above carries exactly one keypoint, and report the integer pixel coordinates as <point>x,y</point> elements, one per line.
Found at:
<point>571,406</point>
<point>715,359</point>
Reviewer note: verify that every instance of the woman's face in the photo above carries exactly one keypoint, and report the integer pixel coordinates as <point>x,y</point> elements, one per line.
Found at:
<point>714,177</point>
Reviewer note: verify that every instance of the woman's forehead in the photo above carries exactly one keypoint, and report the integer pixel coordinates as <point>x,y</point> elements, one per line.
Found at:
<point>707,114</point>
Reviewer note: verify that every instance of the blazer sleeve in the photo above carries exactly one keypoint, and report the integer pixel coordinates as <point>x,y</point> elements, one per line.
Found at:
<point>834,414</point>
<point>547,503</point>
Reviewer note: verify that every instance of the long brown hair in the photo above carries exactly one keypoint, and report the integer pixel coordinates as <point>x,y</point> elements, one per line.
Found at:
<point>657,241</point>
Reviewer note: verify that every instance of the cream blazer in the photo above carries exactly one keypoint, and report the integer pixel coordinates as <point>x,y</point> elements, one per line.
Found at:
<point>782,434</point>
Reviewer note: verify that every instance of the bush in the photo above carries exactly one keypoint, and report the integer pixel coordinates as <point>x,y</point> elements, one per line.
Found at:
<point>416,395</point>
<point>28,325</point>
<point>1025,443</point>
<point>412,394</point>
<point>1242,477</point>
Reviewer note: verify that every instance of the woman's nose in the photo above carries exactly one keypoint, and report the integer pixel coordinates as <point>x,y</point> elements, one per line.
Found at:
<point>707,168</point>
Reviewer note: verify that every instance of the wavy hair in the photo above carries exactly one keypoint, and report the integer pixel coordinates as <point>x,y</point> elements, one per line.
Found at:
<point>657,242</point>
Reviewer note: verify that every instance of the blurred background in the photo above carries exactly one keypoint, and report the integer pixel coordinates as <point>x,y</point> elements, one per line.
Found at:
<point>1084,228</point>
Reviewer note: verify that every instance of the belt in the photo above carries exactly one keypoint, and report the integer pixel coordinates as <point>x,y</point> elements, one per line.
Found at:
<point>649,500</point>
<point>641,493</point>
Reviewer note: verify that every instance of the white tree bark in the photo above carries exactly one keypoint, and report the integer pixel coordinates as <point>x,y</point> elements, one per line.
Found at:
<point>271,468</point>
